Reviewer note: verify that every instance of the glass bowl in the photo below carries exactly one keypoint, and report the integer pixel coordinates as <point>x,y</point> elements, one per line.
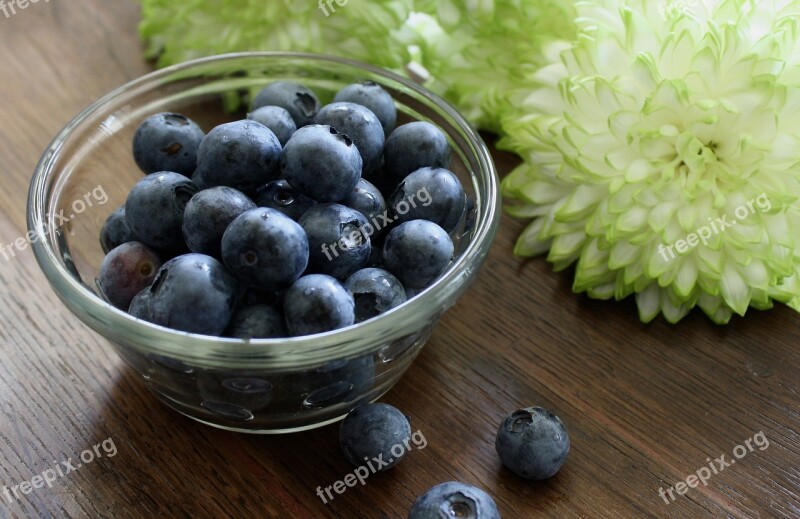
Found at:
<point>265,385</point>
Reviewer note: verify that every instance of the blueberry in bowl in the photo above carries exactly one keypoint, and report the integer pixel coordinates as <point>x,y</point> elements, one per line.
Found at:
<point>189,329</point>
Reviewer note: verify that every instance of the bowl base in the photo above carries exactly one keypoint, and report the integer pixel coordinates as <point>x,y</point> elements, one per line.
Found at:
<point>180,408</point>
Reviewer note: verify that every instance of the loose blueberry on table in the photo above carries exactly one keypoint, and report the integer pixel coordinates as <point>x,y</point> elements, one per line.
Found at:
<point>532,443</point>
<point>370,433</point>
<point>454,499</point>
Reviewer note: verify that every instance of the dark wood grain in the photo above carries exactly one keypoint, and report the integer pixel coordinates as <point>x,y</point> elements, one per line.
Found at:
<point>645,405</point>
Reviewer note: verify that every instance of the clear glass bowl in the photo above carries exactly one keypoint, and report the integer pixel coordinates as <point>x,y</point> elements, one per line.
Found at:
<point>260,386</point>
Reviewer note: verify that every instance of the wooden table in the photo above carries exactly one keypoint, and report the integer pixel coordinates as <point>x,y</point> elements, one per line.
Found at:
<point>645,405</point>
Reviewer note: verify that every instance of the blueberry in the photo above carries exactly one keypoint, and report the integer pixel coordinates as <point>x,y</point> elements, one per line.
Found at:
<point>193,293</point>
<point>140,305</point>
<point>361,125</point>
<point>412,146</point>
<point>276,119</point>
<point>257,322</point>
<point>454,499</point>
<point>301,103</point>
<point>115,231</point>
<point>208,214</point>
<point>167,142</point>
<point>125,271</point>
<point>375,291</point>
<point>417,252</point>
<point>372,96</point>
<point>242,154</point>
<point>532,443</point>
<point>322,163</point>
<point>155,206</point>
<point>317,303</point>
<point>265,249</point>
<point>366,199</point>
<point>375,433</point>
<point>279,195</point>
<point>338,240</point>
<point>433,194</point>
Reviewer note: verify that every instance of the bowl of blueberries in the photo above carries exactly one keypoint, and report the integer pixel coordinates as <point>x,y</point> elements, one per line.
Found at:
<point>281,234</point>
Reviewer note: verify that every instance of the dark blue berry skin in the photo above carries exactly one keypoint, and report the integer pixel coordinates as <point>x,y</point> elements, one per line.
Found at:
<point>115,231</point>
<point>317,303</point>
<point>532,443</point>
<point>257,322</point>
<point>208,214</point>
<point>140,305</point>
<point>433,194</point>
<point>372,96</point>
<point>375,292</point>
<point>417,252</point>
<point>276,119</point>
<point>279,195</point>
<point>253,296</point>
<point>321,163</point>
<point>193,293</point>
<point>366,199</point>
<point>412,146</point>
<point>242,154</point>
<point>265,249</point>
<point>361,125</point>
<point>167,142</point>
<point>371,431</point>
<point>337,240</point>
<point>301,103</point>
<point>126,271</point>
<point>454,499</point>
<point>155,206</point>
<point>376,255</point>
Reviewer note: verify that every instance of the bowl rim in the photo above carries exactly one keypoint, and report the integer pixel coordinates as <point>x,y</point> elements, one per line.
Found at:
<point>318,347</point>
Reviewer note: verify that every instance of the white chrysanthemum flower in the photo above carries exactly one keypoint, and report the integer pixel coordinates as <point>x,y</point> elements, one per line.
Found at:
<point>649,136</point>
<point>477,50</point>
<point>368,30</point>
